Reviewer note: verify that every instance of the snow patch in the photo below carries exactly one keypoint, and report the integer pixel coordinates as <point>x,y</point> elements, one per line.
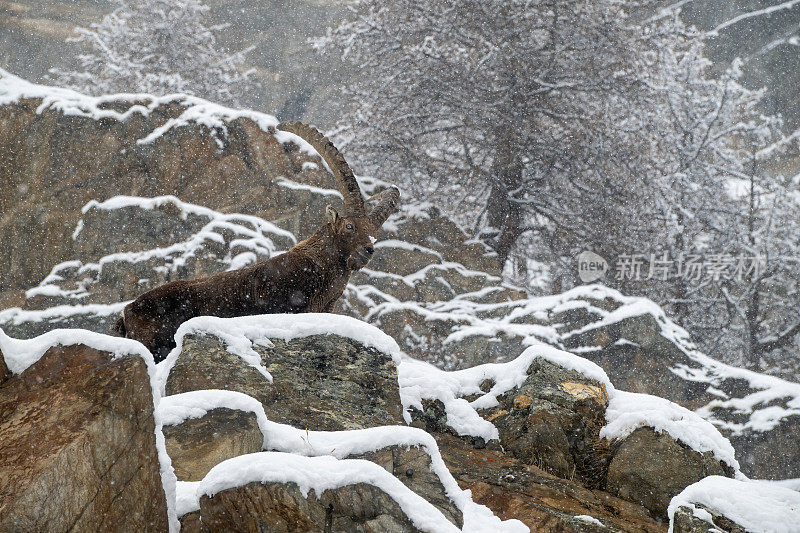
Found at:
<point>758,507</point>
<point>289,184</point>
<point>628,411</point>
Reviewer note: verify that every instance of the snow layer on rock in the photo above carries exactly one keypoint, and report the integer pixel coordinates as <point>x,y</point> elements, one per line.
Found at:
<point>289,184</point>
<point>588,519</point>
<point>240,334</point>
<point>759,507</point>
<point>625,413</point>
<point>177,408</point>
<point>518,319</point>
<point>249,231</point>
<point>21,354</point>
<point>628,411</point>
<point>419,380</point>
<point>326,472</point>
<point>340,444</point>
<point>197,111</point>
<point>758,406</point>
<point>321,474</point>
<point>15,315</point>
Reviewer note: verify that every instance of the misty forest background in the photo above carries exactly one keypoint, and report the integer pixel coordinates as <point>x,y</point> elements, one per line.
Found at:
<point>661,130</point>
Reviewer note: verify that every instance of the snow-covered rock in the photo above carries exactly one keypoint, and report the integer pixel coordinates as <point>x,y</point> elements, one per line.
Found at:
<point>735,505</point>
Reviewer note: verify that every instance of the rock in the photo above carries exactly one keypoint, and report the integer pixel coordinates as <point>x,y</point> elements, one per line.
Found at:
<point>198,444</point>
<point>54,162</point>
<point>412,466</point>
<point>282,508</point>
<point>685,521</point>
<point>401,258</point>
<point>553,420</point>
<point>79,448</point>
<point>640,357</point>
<point>321,382</point>
<point>205,363</point>
<point>543,502</point>
<point>650,468</point>
<point>328,382</point>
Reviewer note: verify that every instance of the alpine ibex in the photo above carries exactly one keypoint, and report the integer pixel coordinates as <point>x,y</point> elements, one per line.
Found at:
<point>310,277</point>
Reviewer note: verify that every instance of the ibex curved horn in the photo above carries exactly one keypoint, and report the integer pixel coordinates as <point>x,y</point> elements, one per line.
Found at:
<point>348,186</point>
<point>387,205</point>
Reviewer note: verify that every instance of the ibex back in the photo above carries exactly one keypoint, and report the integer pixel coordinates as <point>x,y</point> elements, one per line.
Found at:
<point>310,277</point>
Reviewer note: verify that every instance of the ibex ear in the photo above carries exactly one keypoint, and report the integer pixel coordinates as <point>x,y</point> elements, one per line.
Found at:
<point>332,214</point>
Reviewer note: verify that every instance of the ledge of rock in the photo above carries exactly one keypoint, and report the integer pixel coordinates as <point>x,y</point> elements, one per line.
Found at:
<point>284,493</point>
<point>283,508</point>
<point>319,381</point>
<point>196,445</point>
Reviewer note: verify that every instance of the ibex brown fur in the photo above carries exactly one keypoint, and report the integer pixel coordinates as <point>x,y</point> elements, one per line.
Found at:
<point>308,278</point>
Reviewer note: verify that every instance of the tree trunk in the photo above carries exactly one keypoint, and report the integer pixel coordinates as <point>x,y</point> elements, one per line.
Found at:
<point>504,216</point>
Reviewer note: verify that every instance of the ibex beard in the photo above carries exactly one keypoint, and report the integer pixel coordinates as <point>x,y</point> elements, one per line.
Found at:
<point>310,277</point>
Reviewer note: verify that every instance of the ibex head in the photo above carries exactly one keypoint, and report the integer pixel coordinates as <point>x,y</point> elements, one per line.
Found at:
<point>353,232</point>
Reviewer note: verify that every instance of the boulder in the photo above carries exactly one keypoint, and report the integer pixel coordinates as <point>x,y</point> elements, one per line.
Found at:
<point>645,352</point>
<point>686,520</point>
<point>543,502</point>
<point>650,468</point>
<point>402,258</point>
<point>553,420</point>
<point>720,504</point>
<point>283,508</point>
<point>320,382</point>
<point>196,445</point>
<point>79,446</point>
<point>57,157</point>
<point>412,466</point>
<point>329,382</point>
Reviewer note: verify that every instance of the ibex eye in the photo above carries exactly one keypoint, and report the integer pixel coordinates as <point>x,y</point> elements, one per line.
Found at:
<point>349,226</point>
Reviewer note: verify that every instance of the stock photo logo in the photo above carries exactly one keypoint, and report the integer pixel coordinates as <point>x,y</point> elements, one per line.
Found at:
<point>591,267</point>
<point>692,267</point>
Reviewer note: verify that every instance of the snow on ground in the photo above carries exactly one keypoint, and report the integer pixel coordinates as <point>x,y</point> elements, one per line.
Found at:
<point>757,506</point>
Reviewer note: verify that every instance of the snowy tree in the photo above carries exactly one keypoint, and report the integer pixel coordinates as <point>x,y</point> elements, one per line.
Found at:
<point>559,118</point>
<point>556,127</point>
<point>157,47</point>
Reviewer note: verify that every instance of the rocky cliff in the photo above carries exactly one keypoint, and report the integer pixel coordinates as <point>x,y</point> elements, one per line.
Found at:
<point>538,437</point>
<point>224,435</point>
